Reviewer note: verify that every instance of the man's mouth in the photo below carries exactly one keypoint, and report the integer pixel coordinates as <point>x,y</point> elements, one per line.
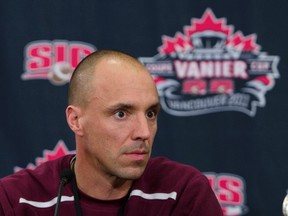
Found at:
<point>137,154</point>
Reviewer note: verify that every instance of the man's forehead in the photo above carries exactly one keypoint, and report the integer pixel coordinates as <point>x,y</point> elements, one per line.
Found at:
<point>120,67</point>
<point>124,85</point>
<point>120,80</point>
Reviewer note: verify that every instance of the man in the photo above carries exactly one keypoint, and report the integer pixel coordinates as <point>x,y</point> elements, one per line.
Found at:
<point>112,109</point>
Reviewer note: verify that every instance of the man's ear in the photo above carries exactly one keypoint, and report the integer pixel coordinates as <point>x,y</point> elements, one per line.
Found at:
<point>72,117</point>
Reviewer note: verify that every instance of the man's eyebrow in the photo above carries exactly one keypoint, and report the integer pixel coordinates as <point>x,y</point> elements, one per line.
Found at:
<point>126,106</point>
<point>155,106</point>
<point>120,106</point>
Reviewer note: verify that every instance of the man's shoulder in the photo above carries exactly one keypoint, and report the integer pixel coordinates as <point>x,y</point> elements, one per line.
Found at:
<point>27,179</point>
<point>166,166</point>
<point>164,173</point>
<point>31,185</point>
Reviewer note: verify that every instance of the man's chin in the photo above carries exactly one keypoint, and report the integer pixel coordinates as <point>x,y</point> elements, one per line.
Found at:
<point>133,173</point>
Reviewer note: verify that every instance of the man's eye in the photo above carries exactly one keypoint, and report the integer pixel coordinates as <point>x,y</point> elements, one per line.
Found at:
<point>120,114</point>
<point>151,114</point>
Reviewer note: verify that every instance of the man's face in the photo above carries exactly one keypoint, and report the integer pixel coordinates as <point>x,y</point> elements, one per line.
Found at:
<point>120,120</point>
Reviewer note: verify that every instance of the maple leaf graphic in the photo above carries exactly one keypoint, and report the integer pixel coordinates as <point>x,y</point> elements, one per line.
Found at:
<point>59,151</point>
<point>207,25</point>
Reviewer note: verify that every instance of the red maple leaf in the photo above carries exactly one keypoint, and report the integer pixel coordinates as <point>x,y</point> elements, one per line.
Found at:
<point>59,151</point>
<point>208,22</point>
<point>177,44</point>
<point>247,43</point>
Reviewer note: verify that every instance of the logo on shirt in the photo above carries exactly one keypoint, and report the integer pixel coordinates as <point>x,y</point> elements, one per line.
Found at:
<point>210,68</point>
<point>59,151</point>
<point>53,60</point>
<point>230,192</point>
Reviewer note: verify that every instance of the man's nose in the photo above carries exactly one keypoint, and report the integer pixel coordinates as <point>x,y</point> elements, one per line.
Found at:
<point>141,128</point>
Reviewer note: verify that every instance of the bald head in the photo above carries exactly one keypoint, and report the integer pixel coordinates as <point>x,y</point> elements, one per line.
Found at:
<point>80,83</point>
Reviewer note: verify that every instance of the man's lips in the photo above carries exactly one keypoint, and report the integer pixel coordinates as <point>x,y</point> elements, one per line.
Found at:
<point>137,154</point>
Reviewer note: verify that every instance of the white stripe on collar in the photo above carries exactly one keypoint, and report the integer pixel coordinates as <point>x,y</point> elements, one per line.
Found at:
<point>154,196</point>
<point>46,204</point>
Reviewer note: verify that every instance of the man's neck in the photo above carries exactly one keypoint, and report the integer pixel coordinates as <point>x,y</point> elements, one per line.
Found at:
<point>100,186</point>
